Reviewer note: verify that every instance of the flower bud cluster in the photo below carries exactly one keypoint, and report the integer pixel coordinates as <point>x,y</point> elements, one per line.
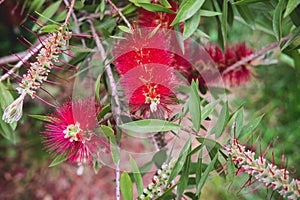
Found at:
<point>159,182</point>
<point>39,69</point>
<point>38,72</point>
<point>267,173</point>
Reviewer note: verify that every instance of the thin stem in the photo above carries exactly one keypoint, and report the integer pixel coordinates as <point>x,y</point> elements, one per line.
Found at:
<point>69,12</point>
<point>77,28</point>
<point>12,58</point>
<point>120,13</point>
<point>254,55</point>
<point>20,63</point>
<point>115,109</point>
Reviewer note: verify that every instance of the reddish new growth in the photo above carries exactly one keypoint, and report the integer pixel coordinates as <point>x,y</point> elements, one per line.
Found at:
<point>150,88</point>
<point>140,48</point>
<point>70,131</point>
<point>232,55</point>
<point>153,19</point>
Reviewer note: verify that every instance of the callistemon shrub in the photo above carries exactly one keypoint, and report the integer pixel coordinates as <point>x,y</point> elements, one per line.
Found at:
<point>232,55</point>
<point>149,89</point>
<point>70,132</point>
<point>142,46</point>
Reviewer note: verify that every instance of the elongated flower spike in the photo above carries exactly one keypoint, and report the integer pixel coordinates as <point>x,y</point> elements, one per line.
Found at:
<point>267,173</point>
<point>159,182</point>
<point>38,72</point>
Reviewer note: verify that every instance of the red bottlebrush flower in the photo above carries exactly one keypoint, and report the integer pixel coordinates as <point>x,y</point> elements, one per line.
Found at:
<point>232,55</point>
<point>150,88</point>
<point>140,48</point>
<point>70,131</point>
<point>153,19</point>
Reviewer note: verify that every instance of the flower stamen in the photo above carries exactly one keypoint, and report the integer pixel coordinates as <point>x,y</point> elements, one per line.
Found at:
<point>72,131</point>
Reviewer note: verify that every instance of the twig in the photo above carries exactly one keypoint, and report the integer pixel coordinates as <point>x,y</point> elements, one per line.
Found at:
<point>116,109</point>
<point>69,12</point>
<point>12,58</point>
<point>254,55</point>
<point>20,63</point>
<point>77,29</point>
<point>120,13</point>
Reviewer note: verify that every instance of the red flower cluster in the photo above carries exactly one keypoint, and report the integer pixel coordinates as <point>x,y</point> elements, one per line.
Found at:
<point>144,62</point>
<point>70,131</point>
<point>232,55</point>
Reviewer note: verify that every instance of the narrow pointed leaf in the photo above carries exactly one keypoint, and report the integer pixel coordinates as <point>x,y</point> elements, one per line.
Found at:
<point>150,125</point>
<point>187,9</point>
<point>194,105</point>
<point>126,186</point>
<point>205,175</point>
<point>137,176</point>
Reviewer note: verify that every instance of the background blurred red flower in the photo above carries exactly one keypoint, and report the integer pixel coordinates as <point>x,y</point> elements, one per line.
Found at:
<point>232,55</point>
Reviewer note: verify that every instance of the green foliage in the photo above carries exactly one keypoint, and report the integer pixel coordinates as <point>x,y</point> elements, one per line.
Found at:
<point>126,186</point>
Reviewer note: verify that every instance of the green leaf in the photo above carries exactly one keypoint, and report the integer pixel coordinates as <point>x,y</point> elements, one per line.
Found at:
<point>150,125</point>
<point>47,14</point>
<point>250,127</point>
<point>291,5</point>
<point>205,175</point>
<point>36,5</point>
<point>199,166</point>
<point>114,149</point>
<point>168,194</point>
<point>57,160</point>
<point>230,168</point>
<point>155,8</point>
<point>137,176</point>
<point>186,10</point>
<point>296,33</point>
<point>6,130</point>
<point>5,100</point>
<point>194,105</point>
<point>108,131</point>
<point>191,25</point>
<point>106,109</point>
<point>244,2</point>
<point>96,165</point>
<point>125,29</point>
<point>246,14</point>
<point>184,177</point>
<point>42,118</point>
<point>208,109</point>
<point>208,13</point>
<point>277,20</point>
<point>180,161</point>
<point>166,3</point>
<point>222,122</point>
<point>126,187</point>
<point>137,2</point>
<point>159,158</point>
<point>239,117</point>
